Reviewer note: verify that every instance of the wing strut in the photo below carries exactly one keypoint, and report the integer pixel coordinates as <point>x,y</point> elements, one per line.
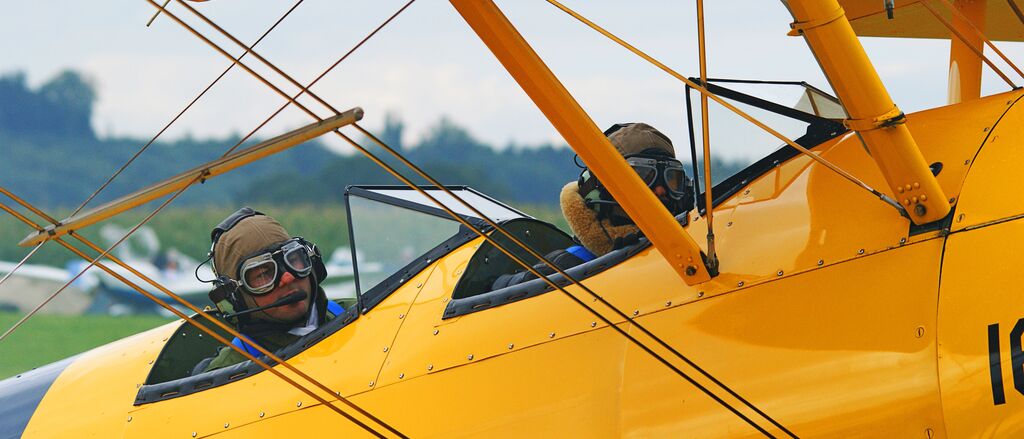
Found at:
<point>709,208</point>
<point>202,172</point>
<point>573,123</point>
<point>704,91</point>
<point>527,266</point>
<point>873,115</point>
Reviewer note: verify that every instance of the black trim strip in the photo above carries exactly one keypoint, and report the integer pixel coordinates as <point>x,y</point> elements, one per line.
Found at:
<point>22,393</point>
<point>761,81</point>
<point>766,105</point>
<point>535,287</point>
<point>819,130</point>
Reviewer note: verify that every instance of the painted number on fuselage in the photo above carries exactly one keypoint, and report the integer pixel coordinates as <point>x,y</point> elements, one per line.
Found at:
<point>1016,360</point>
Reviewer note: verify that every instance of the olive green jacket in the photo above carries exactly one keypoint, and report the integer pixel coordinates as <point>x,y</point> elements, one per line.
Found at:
<point>271,342</point>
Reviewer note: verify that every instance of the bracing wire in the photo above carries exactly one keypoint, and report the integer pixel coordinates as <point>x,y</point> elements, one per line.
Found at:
<point>228,329</point>
<point>81,272</point>
<point>963,39</point>
<point>396,174</point>
<point>157,13</point>
<point>985,38</point>
<point>201,327</point>
<point>20,263</point>
<point>703,90</point>
<point>1016,10</point>
<point>183,110</point>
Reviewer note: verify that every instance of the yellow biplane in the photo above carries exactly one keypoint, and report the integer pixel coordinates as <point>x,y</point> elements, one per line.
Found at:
<point>859,281</point>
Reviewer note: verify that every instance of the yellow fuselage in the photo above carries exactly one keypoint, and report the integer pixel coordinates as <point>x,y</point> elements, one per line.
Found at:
<point>830,314</point>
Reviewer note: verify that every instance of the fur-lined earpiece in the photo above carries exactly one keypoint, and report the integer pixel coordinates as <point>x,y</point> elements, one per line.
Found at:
<point>597,236</point>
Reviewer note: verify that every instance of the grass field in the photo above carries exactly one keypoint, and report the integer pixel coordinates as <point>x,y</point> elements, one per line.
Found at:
<point>48,338</point>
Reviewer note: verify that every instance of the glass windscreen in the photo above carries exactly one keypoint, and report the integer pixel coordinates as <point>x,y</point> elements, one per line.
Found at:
<point>493,209</point>
<point>816,102</point>
<point>386,238</point>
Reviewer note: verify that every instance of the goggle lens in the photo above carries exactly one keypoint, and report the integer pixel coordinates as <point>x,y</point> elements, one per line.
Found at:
<point>646,173</point>
<point>261,273</point>
<point>674,179</point>
<point>260,276</point>
<point>670,171</point>
<point>298,260</point>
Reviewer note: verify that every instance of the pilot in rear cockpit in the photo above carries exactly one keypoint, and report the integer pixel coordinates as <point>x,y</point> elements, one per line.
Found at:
<point>596,219</point>
<point>267,285</point>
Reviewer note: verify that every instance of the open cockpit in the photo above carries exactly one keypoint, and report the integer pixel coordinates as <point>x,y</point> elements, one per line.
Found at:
<point>397,232</point>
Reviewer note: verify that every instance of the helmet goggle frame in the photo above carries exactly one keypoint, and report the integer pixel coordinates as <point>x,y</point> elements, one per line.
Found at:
<point>260,274</point>
<point>669,171</point>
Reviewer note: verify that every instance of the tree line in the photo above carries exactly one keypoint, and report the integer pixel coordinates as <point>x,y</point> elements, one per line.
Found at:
<point>53,157</point>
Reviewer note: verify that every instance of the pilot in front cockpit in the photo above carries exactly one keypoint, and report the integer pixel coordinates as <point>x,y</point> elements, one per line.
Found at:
<point>594,216</point>
<point>267,285</point>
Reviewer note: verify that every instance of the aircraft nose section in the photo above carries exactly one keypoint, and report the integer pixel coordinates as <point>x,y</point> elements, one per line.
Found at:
<point>23,392</point>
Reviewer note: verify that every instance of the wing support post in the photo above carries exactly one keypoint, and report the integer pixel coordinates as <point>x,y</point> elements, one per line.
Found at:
<point>872,113</point>
<point>585,138</point>
<point>201,173</point>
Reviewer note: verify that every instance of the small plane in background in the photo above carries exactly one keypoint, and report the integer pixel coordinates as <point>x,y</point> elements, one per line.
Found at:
<point>31,284</point>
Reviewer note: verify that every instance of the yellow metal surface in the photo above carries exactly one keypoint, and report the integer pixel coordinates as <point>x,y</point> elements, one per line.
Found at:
<point>992,193</point>
<point>348,361</point>
<point>585,138</point>
<point>827,323</point>
<point>970,305</point>
<point>93,396</point>
<point>511,328</point>
<point>980,302</point>
<point>800,213</point>
<point>912,20</point>
<point>808,349</point>
<point>183,180</point>
<point>964,62</point>
<point>858,86</point>
<point>511,396</point>
<point>829,353</point>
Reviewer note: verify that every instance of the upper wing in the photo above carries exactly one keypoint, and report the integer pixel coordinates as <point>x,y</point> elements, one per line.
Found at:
<point>1003,21</point>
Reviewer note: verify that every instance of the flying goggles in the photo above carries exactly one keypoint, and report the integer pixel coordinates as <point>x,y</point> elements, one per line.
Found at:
<point>261,273</point>
<point>661,171</point>
<point>655,170</point>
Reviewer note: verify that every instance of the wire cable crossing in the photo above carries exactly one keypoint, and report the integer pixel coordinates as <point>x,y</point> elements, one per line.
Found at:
<point>481,233</point>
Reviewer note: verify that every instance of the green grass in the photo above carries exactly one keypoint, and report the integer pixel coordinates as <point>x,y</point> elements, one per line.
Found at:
<point>48,338</point>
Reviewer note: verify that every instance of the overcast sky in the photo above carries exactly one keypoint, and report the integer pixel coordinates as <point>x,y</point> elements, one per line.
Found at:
<point>428,63</point>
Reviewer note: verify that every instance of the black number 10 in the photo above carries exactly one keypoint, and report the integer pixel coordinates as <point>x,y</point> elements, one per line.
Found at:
<point>995,360</point>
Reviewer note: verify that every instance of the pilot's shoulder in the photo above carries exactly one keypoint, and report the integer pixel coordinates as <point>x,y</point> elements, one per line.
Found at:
<point>225,357</point>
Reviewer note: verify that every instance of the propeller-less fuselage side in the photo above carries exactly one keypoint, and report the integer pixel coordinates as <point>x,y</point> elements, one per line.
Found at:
<point>832,314</point>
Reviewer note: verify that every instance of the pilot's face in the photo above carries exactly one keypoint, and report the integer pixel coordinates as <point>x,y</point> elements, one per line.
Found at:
<point>291,312</point>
